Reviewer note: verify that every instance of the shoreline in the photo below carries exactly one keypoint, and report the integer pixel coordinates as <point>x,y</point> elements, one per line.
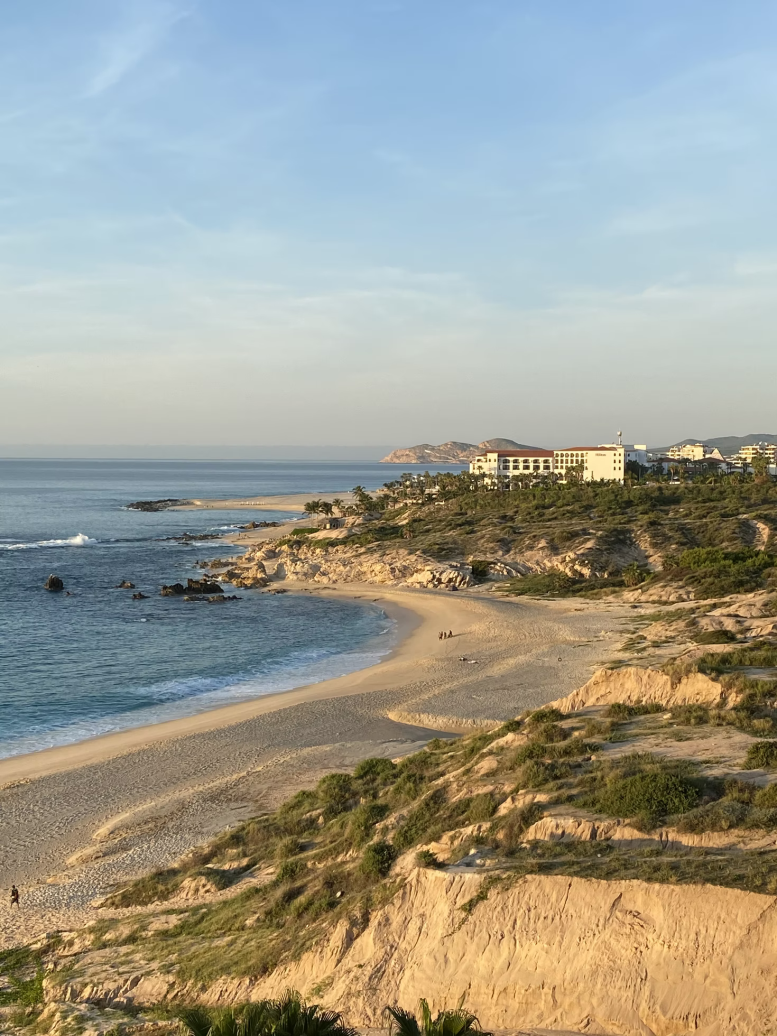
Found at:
<point>89,750</point>
<point>80,819</point>
<point>294,502</point>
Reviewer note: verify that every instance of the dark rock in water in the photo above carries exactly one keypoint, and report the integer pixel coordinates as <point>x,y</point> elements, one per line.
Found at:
<point>217,599</point>
<point>139,597</point>
<point>202,586</point>
<point>155,505</point>
<point>53,583</point>
<point>125,584</point>
<point>174,590</point>
<point>192,537</point>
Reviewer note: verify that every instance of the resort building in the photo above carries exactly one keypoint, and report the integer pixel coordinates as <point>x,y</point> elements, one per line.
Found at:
<point>694,451</point>
<point>599,463</point>
<point>761,449</point>
<point>513,462</point>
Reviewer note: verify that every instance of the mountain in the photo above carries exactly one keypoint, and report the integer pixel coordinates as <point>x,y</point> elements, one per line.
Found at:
<point>450,452</point>
<point>727,444</point>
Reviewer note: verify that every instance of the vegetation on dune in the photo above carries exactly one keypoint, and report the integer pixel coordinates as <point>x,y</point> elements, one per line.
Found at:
<point>458,1022</point>
<point>287,1016</point>
<point>328,854</point>
<point>702,532</point>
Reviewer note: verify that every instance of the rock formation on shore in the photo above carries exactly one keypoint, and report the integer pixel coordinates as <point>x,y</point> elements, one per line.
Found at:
<point>54,583</point>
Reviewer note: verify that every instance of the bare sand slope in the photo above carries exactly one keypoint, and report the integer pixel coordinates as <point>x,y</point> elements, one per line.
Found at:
<point>120,805</point>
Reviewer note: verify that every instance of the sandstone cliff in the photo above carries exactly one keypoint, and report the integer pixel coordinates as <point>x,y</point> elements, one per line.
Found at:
<point>562,953</point>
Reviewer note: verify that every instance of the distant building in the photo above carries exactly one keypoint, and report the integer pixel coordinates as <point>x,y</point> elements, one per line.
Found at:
<point>761,449</point>
<point>605,463</point>
<point>513,462</point>
<point>694,451</point>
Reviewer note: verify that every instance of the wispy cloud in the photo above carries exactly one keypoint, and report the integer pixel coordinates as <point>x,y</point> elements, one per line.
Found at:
<point>125,49</point>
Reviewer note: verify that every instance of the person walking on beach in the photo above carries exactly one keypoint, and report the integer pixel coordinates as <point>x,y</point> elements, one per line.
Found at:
<point>450,633</point>
<point>14,896</point>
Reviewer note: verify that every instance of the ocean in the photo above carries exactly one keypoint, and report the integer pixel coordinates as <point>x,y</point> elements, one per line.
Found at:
<point>93,662</point>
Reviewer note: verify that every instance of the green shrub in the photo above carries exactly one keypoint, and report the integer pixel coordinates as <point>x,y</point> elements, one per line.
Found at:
<point>482,807</point>
<point>378,859</point>
<point>363,820</point>
<point>337,792</point>
<point>633,575</point>
<point>548,733</point>
<point>512,828</point>
<point>426,858</point>
<point>648,795</point>
<point>548,715</point>
<point>740,791</point>
<point>420,821</point>
<point>766,798</point>
<point>761,756</point>
<point>536,773</point>
<point>289,870</point>
<point>690,715</point>
<point>621,711</point>
<point>715,816</point>
<point>375,769</point>
<point>479,568</point>
<point>288,847</point>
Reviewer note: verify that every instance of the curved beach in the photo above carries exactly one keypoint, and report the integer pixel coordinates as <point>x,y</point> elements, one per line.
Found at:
<point>80,818</point>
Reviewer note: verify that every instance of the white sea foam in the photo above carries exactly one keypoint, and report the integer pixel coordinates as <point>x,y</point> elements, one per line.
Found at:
<point>79,540</point>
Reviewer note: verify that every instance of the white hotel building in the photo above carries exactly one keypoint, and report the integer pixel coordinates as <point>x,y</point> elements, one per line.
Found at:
<point>593,463</point>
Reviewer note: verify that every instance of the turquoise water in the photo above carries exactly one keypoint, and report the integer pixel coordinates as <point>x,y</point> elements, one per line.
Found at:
<point>96,661</point>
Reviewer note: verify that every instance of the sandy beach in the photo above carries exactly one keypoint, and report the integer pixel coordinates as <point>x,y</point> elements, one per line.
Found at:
<point>78,819</point>
<point>294,502</point>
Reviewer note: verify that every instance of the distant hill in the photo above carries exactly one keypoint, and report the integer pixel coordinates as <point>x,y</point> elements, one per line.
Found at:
<point>450,452</point>
<point>727,444</point>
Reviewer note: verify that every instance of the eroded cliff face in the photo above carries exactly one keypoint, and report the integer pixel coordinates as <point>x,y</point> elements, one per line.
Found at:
<point>556,952</point>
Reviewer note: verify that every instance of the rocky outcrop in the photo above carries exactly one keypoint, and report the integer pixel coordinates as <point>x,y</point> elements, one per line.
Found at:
<point>347,565</point>
<point>173,590</point>
<point>125,584</point>
<point>54,583</point>
<point>623,957</point>
<point>450,452</point>
<point>156,505</point>
<point>632,685</point>
<point>193,586</point>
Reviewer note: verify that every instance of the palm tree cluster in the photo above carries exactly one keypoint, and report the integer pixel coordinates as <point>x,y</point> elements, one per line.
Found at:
<point>291,1016</point>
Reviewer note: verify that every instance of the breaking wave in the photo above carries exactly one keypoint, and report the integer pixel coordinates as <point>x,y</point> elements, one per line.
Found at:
<point>79,540</point>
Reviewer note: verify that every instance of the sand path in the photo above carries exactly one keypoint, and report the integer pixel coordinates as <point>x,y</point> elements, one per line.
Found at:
<point>78,819</point>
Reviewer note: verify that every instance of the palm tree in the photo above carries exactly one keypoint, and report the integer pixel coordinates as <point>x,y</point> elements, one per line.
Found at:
<point>313,507</point>
<point>326,508</point>
<point>289,1016</point>
<point>446,1023</point>
<point>339,504</point>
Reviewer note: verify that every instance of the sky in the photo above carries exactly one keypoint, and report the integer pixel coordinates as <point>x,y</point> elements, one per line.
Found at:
<point>360,222</point>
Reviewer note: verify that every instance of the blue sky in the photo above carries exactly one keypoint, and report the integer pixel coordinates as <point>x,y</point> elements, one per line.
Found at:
<point>385,221</point>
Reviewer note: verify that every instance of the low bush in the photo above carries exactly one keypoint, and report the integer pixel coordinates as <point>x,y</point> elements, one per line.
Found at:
<point>647,796</point>
<point>619,710</point>
<point>363,820</point>
<point>690,715</point>
<point>761,756</point>
<point>549,715</point>
<point>481,807</point>
<point>766,798</point>
<point>378,859</point>
<point>548,733</point>
<point>537,774</point>
<point>426,858</point>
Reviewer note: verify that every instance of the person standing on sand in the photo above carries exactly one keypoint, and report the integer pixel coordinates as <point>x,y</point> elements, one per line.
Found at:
<point>14,896</point>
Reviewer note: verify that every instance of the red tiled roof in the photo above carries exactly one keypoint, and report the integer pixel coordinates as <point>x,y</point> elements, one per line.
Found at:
<point>519,453</point>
